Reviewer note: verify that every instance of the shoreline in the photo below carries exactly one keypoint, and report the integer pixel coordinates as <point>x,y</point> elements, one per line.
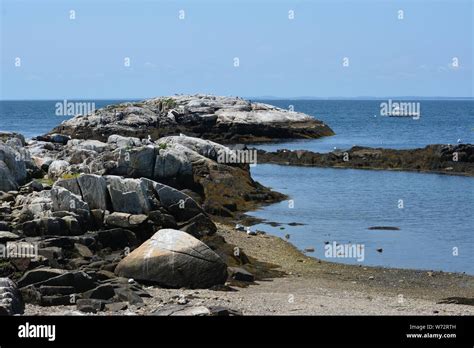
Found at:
<point>288,282</point>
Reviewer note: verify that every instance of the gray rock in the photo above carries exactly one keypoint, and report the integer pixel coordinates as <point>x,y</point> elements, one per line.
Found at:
<point>176,202</point>
<point>93,145</point>
<point>12,166</point>
<point>128,195</point>
<point>121,141</point>
<point>174,259</point>
<point>57,168</point>
<point>90,305</point>
<point>38,275</point>
<point>7,237</point>
<point>180,310</point>
<point>64,200</point>
<point>118,220</point>
<point>94,191</point>
<point>11,301</point>
<point>172,162</point>
<point>137,162</point>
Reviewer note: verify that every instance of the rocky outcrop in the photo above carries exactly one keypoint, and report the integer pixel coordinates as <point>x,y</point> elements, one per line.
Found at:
<point>443,159</point>
<point>174,259</point>
<point>221,119</point>
<point>184,163</point>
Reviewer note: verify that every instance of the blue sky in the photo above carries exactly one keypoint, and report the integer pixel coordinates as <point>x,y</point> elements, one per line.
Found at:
<point>84,57</point>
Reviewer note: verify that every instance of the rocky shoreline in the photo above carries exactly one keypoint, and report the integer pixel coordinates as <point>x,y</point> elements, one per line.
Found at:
<point>113,211</point>
<point>440,159</point>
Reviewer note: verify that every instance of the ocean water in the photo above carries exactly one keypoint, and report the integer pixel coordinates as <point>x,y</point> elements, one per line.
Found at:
<point>435,217</point>
<point>37,117</point>
<point>358,122</point>
<point>338,205</point>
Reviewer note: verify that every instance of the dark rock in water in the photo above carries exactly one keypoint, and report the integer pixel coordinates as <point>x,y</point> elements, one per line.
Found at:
<point>240,274</point>
<point>388,228</point>
<point>90,305</point>
<point>174,259</point>
<point>448,159</point>
<point>11,301</point>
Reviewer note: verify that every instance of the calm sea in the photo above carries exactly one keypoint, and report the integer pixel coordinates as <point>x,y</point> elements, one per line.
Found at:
<point>436,223</point>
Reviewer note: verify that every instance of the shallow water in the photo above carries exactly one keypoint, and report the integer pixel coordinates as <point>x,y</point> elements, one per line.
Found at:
<point>339,205</point>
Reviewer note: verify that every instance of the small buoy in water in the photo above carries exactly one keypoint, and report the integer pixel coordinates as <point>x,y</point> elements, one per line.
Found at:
<point>287,236</point>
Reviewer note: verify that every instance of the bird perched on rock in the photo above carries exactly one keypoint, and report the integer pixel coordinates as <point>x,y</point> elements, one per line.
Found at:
<point>251,233</point>
<point>287,236</point>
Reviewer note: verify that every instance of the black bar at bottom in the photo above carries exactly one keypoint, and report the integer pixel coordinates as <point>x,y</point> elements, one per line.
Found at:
<point>135,330</point>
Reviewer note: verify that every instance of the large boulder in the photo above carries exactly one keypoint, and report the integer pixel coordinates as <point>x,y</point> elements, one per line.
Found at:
<point>174,259</point>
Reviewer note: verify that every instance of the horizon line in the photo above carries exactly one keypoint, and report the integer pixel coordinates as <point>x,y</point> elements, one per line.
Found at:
<point>255,98</point>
